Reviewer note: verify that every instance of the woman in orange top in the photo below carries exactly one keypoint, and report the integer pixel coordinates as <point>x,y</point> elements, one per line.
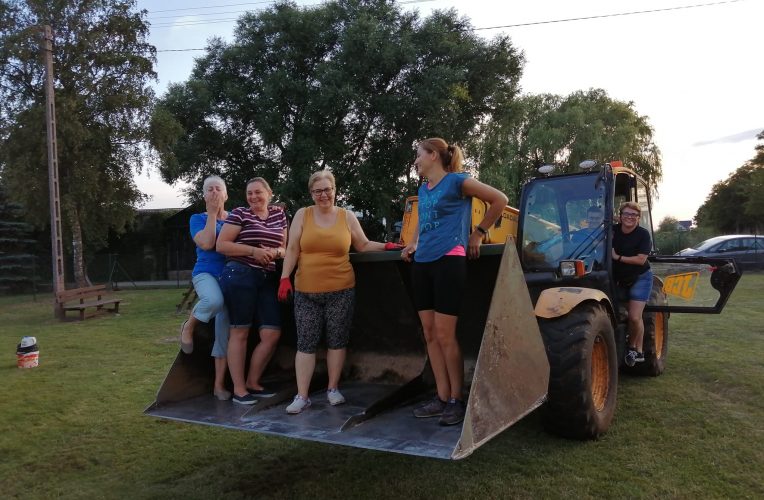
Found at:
<point>319,244</point>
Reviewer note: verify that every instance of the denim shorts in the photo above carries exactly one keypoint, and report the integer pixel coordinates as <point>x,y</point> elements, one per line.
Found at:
<point>640,290</point>
<point>250,293</point>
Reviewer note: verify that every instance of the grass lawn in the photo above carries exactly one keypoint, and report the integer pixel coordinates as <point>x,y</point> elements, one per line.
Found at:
<point>73,427</point>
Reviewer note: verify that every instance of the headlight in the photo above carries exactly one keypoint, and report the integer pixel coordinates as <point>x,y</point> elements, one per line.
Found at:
<point>572,268</point>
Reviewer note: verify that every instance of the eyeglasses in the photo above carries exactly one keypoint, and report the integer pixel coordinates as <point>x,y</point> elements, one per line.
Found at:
<point>629,215</point>
<point>319,192</point>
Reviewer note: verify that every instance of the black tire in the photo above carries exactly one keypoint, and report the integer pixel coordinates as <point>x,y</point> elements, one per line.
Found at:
<point>655,340</point>
<point>583,372</point>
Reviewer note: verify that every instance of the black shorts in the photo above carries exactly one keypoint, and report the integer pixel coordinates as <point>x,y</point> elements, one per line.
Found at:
<point>439,285</point>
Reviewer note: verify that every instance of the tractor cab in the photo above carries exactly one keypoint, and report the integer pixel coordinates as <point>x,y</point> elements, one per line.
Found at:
<point>565,236</point>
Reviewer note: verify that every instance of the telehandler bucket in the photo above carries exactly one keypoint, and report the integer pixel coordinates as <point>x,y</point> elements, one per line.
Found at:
<point>386,373</point>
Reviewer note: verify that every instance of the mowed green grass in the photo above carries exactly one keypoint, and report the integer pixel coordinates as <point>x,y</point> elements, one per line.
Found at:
<point>73,427</point>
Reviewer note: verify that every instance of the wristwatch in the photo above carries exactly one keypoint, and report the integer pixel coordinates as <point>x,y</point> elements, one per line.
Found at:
<point>481,230</point>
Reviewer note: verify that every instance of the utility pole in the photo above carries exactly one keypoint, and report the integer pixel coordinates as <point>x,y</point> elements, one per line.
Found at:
<point>57,251</point>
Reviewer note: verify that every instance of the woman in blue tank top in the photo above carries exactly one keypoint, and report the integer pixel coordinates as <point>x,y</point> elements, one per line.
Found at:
<point>443,243</point>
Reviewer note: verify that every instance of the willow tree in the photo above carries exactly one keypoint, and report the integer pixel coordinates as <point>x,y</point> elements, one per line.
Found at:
<point>551,129</point>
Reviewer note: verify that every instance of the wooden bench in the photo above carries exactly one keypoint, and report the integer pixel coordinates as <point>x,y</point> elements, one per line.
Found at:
<point>80,299</point>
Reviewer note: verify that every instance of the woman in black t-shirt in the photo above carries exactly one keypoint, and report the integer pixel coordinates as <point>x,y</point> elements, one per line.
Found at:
<point>631,246</point>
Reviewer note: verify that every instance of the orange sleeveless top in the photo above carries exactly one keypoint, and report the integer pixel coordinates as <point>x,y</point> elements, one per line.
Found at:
<point>324,262</point>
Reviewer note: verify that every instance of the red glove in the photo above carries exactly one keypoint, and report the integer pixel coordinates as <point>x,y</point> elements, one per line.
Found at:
<point>285,288</point>
<point>393,246</point>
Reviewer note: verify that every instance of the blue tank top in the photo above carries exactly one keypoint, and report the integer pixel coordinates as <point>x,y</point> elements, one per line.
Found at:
<point>444,218</point>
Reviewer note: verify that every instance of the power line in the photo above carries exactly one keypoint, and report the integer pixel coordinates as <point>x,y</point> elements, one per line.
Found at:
<point>533,23</point>
<point>602,16</point>
<point>213,6</point>
<point>201,14</point>
<point>271,2</point>
<point>196,22</point>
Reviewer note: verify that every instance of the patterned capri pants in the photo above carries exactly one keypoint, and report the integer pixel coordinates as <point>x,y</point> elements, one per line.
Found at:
<point>314,311</point>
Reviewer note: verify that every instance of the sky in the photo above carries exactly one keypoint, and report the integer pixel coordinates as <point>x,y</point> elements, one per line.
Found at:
<point>694,72</point>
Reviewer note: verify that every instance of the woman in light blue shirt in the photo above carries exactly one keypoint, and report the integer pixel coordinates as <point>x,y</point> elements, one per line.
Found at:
<point>205,228</point>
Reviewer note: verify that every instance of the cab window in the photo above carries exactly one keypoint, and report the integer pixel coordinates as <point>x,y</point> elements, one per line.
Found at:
<point>643,199</point>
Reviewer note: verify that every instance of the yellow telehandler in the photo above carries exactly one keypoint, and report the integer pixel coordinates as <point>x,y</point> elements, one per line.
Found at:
<point>543,324</point>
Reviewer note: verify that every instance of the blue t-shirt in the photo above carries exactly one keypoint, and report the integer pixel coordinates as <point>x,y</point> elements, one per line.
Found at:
<point>207,261</point>
<point>444,218</point>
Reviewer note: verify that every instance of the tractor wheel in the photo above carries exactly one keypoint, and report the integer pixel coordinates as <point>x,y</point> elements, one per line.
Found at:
<point>655,341</point>
<point>583,372</point>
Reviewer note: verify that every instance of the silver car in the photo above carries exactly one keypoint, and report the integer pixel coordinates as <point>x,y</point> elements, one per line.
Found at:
<point>746,249</point>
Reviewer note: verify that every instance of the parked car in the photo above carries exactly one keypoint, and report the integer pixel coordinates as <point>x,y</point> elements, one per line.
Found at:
<point>746,249</point>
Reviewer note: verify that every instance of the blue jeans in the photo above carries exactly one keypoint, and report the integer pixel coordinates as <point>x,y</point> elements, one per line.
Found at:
<point>640,290</point>
<point>250,294</point>
<point>211,304</point>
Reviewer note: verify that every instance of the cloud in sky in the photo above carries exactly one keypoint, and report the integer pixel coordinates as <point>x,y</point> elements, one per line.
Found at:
<point>748,135</point>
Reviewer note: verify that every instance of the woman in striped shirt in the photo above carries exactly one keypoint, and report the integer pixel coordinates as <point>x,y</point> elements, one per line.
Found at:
<point>252,239</point>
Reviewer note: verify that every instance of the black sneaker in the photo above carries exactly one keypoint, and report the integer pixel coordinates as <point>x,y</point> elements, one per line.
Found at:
<point>640,357</point>
<point>631,358</point>
<point>261,393</point>
<point>431,408</point>
<point>247,399</point>
<point>453,413</point>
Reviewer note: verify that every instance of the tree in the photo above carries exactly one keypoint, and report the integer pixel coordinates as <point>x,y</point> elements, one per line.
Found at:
<point>16,244</point>
<point>349,85</point>
<point>754,205</point>
<point>735,204</point>
<point>550,129</point>
<point>668,224</point>
<point>102,64</point>
<point>668,238</point>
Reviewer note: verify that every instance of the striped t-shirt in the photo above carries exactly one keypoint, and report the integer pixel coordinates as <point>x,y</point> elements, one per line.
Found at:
<point>256,232</point>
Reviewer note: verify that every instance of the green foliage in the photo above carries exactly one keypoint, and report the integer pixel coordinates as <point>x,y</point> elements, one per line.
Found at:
<point>550,129</point>
<point>736,204</point>
<point>16,247</point>
<point>754,205</point>
<point>668,224</point>
<point>349,85</point>
<point>102,64</point>
<point>670,241</point>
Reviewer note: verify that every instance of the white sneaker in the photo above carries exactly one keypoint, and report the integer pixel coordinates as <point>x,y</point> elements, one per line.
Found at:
<point>297,405</point>
<point>335,397</point>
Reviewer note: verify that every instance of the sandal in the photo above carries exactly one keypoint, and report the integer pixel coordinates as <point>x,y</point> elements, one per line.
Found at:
<point>187,348</point>
<point>222,395</point>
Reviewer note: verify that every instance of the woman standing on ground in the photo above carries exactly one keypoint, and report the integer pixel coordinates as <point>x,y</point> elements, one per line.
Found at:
<point>252,238</point>
<point>631,246</point>
<point>319,244</point>
<point>205,228</point>
<point>439,273</point>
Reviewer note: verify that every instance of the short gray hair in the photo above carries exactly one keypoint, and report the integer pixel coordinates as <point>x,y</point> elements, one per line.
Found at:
<point>213,179</point>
